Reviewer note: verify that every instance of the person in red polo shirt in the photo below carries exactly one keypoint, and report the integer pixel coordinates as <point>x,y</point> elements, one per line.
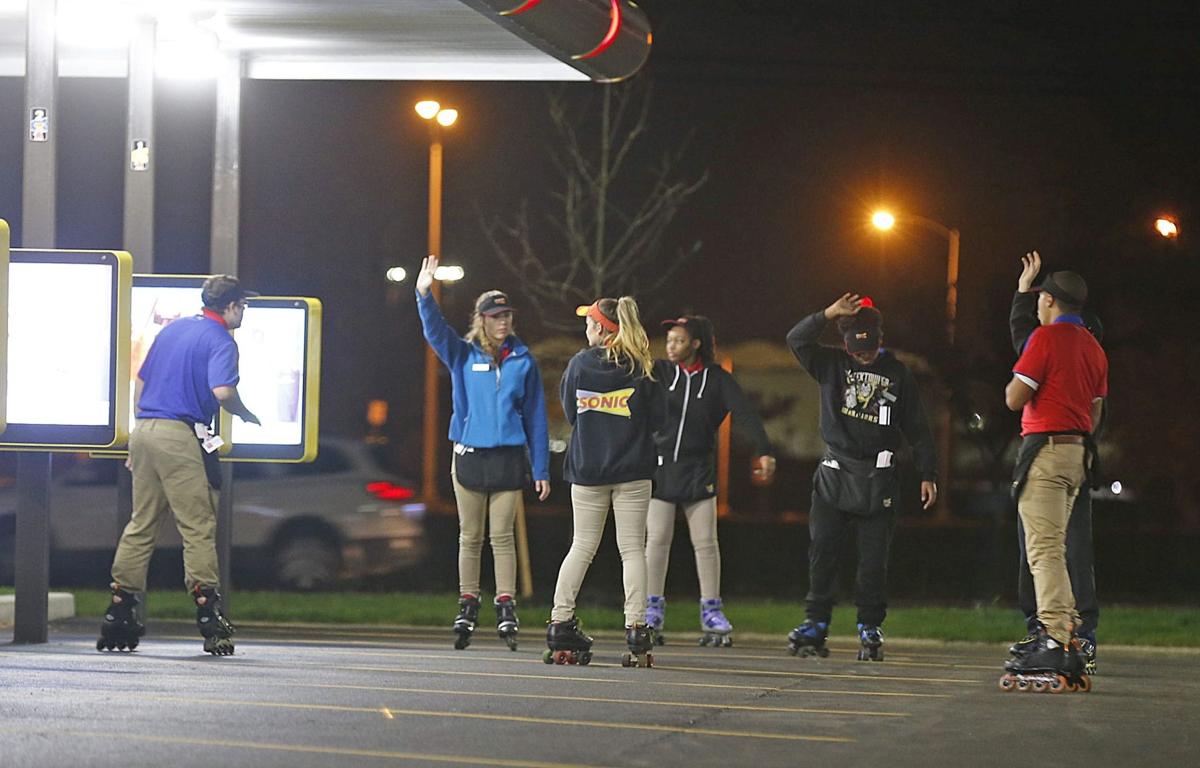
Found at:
<point>1059,385</point>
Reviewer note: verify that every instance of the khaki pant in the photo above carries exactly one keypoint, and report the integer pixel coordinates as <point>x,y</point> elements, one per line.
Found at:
<point>702,525</point>
<point>499,509</point>
<point>591,503</point>
<point>168,472</point>
<point>1053,482</point>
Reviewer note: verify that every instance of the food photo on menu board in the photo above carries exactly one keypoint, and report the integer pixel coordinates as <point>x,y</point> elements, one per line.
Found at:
<point>271,350</point>
<point>152,308</point>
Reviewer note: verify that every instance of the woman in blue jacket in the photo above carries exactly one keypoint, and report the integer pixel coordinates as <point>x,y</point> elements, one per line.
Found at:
<point>499,412</point>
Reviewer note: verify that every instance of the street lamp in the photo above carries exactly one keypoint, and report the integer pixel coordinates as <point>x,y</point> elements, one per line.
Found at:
<point>437,118</point>
<point>884,221</point>
<point>1167,227</point>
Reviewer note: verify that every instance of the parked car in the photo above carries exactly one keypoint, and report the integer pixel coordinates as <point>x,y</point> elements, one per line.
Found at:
<point>306,525</point>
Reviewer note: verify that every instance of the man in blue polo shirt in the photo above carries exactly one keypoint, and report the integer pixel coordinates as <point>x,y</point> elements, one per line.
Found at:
<point>1059,384</point>
<point>190,372</point>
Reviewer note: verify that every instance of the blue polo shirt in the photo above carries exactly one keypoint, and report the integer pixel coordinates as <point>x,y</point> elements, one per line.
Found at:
<point>187,360</point>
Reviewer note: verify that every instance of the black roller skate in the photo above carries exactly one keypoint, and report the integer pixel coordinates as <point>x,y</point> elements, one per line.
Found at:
<point>1046,666</point>
<point>464,623</point>
<point>507,623</point>
<point>808,639</point>
<point>718,632</point>
<point>566,644</point>
<point>640,639</point>
<point>1087,644</point>
<point>656,616</point>
<point>871,639</point>
<point>216,629</point>
<point>121,629</point>
<point>1022,646</point>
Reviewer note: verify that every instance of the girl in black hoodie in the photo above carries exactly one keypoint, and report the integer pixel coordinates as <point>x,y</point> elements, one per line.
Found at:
<point>609,397</point>
<point>699,395</point>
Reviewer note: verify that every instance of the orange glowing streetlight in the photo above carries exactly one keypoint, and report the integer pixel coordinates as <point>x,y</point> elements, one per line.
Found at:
<point>438,118</point>
<point>1167,227</point>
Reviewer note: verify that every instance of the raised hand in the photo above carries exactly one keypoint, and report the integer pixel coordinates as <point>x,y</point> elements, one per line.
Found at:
<point>1031,264</point>
<point>425,277</point>
<point>849,304</point>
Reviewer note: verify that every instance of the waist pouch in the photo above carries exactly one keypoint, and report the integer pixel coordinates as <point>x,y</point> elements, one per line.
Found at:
<point>684,481</point>
<point>212,462</point>
<point>863,493</point>
<point>491,469</point>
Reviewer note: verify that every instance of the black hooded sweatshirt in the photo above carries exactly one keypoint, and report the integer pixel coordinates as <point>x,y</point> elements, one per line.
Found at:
<point>864,408</point>
<point>614,415</point>
<point>697,403</point>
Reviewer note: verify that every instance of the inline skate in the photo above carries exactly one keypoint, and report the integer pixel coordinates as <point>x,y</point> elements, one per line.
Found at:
<point>808,639</point>
<point>870,638</point>
<point>507,624</point>
<point>464,623</point>
<point>121,629</point>
<point>656,615</point>
<point>718,632</point>
<point>1046,666</point>
<point>216,629</point>
<point>639,638</point>
<point>566,643</point>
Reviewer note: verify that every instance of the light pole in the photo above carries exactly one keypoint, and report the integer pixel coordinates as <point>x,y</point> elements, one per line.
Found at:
<point>884,221</point>
<point>437,118</point>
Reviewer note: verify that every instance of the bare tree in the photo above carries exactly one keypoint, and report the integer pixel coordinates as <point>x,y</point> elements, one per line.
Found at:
<point>611,211</point>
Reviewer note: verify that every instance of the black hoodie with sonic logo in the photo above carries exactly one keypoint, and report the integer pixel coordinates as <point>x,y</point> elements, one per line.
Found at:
<point>614,415</point>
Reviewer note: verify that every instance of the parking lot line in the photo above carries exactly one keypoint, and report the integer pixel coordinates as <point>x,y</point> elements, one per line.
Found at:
<point>524,719</point>
<point>306,749</point>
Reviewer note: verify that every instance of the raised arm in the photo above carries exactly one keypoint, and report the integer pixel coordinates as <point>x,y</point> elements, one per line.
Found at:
<point>803,339</point>
<point>450,348</point>
<point>1022,318</point>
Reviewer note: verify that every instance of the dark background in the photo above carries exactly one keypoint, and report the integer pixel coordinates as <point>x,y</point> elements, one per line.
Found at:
<point>1065,129</point>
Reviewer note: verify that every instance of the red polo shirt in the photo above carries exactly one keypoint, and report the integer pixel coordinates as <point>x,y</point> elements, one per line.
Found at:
<point>1068,370</point>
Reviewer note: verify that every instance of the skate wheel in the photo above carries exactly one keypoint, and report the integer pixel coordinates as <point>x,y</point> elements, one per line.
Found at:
<point>1040,686</point>
<point>1023,685</point>
<point>461,642</point>
<point>659,639</point>
<point>1007,683</point>
<point>704,641</point>
<point>1059,685</point>
<point>585,658</point>
<point>548,656</point>
<point>727,642</point>
<point>649,660</point>
<point>100,644</point>
<point>133,644</point>
<point>1085,684</point>
<point>627,660</point>
<point>562,657</point>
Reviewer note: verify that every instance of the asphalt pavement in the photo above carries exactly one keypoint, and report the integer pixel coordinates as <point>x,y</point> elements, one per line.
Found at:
<point>306,696</point>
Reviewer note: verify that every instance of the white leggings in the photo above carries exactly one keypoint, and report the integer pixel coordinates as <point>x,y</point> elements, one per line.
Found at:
<point>591,504</point>
<point>702,525</point>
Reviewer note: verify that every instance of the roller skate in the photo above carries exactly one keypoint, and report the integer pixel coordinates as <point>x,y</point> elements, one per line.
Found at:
<point>871,639</point>
<point>1022,646</point>
<point>640,640</point>
<point>464,623</point>
<point>656,615</point>
<point>718,632</point>
<point>121,629</point>
<point>566,644</point>
<point>808,639</point>
<point>216,629</point>
<point>1047,667</point>
<point>507,623</point>
<point>1087,644</point>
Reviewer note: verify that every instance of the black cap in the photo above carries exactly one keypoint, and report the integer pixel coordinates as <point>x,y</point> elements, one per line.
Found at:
<point>1065,286</point>
<point>493,303</point>
<point>862,331</point>
<point>219,291</point>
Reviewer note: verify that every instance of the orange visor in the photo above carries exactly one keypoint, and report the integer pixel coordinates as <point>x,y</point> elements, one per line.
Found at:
<point>595,313</point>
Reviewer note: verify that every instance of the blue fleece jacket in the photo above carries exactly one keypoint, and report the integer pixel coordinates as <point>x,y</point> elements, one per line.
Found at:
<point>493,405</point>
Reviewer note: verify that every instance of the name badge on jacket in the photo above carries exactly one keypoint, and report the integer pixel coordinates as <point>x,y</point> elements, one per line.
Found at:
<point>481,367</point>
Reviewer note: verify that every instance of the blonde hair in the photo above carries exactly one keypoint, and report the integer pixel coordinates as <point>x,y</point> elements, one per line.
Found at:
<point>477,334</point>
<point>628,347</point>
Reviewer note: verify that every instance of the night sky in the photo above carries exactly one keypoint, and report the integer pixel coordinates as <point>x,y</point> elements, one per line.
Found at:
<point>1021,125</point>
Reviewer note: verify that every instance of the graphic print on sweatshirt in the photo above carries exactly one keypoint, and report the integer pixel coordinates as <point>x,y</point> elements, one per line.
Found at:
<point>615,402</point>
<point>868,396</point>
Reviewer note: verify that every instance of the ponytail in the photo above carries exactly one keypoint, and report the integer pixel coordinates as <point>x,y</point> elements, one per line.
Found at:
<point>628,347</point>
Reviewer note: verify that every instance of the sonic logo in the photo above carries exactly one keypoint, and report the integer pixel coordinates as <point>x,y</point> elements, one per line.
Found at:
<point>615,402</point>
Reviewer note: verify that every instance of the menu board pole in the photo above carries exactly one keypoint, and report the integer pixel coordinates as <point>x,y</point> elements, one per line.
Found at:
<point>32,550</point>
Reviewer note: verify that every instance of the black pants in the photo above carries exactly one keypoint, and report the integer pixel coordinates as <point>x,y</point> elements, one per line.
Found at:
<point>827,529</point>
<point>1081,562</point>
